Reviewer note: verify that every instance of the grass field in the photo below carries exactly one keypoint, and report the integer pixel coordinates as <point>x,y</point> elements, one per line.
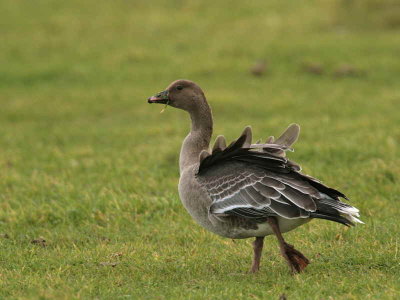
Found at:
<point>88,166</point>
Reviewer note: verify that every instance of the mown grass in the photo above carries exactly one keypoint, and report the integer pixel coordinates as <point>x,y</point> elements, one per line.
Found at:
<point>89,167</point>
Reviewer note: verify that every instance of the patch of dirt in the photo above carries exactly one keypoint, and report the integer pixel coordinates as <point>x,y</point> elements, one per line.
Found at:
<point>108,264</point>
<point>39,241</point>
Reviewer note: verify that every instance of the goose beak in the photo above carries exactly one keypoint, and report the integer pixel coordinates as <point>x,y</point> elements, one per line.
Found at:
<point>161,97</point>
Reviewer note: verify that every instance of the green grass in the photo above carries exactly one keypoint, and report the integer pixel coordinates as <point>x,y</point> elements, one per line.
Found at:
<point>86,164</point>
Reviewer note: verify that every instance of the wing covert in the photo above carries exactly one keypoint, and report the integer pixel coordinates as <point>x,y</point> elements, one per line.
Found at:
<point>239,189</point>
<point>257,180</point>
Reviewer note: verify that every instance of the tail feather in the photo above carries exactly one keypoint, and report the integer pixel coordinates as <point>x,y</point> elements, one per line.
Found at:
<point>337,211</point>
<point>337,207</point>
<point>334,218</point>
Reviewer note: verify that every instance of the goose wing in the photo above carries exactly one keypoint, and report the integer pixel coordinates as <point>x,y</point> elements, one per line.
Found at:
<point>256,181</point>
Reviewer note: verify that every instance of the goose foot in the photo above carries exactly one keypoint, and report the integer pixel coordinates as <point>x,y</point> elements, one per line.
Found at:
<point>257,248</point>
<point>296,260</point>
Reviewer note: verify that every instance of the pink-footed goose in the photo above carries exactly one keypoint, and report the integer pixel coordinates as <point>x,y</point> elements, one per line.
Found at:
<point>247,190</point>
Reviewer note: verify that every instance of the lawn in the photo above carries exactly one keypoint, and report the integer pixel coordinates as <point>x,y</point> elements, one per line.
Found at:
<point>89,207</point>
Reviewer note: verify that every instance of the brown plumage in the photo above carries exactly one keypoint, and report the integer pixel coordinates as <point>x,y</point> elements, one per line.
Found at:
<point>247,190</point>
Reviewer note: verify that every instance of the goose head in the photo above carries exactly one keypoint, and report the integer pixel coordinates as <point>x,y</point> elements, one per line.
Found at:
<point>182,94</point>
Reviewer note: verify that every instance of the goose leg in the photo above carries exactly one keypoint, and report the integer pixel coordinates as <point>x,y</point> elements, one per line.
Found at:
<point>295,259</point>
<point>257,248</point>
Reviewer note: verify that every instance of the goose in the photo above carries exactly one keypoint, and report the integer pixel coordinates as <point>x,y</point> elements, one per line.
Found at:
<point>247,190</point>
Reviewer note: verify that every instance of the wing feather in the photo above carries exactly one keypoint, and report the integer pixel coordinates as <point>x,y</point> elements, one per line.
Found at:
<point>266,191</point>
<point>256,183</point>
<point>248,192</point>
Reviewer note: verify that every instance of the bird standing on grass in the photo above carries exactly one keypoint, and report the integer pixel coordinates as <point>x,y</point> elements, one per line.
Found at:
<point>247,190</point>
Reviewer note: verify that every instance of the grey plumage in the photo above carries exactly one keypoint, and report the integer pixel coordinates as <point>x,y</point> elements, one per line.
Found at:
<point>247,190</point>
<point>247,180</point>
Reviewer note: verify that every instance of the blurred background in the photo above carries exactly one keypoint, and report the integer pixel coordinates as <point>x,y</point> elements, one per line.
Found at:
<point>88,167</point>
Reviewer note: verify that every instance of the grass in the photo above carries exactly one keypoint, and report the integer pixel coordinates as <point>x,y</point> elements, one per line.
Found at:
<point>88,166</point>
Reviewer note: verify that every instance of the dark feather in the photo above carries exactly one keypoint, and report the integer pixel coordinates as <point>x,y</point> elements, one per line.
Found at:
<point>253,184</point>
<point>335,194</point>
<point>334,218</point>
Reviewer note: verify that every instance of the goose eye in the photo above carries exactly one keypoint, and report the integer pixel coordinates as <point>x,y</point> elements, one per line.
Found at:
<point>179,87</point>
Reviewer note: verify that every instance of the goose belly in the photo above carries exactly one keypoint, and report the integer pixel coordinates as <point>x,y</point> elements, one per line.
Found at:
<point>264,229</point>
